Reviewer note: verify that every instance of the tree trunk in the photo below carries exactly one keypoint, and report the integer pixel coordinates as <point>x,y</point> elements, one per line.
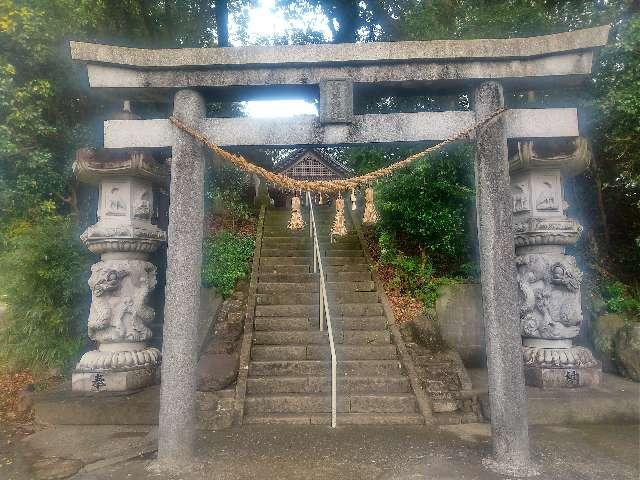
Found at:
<point>222,22</point>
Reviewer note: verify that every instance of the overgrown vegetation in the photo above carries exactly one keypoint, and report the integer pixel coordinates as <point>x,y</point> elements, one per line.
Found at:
<point>43,274</point>
<point>227,257</point>
<point>229,246</point>
<point>227,190</point>
<point>412,275</point>
<point>621,298</point>
<point>424,237</point>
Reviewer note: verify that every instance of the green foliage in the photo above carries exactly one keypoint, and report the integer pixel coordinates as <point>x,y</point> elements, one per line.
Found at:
<point>32,144</point>
<point>621,298</point>
<point>413,275</point>
<point>227,258</point>
<point>445,19</point>
<point>425,207</point>
<point>617,108</point>
<point>43,274</point>
<point>45,113</point>
<point>227,188</point>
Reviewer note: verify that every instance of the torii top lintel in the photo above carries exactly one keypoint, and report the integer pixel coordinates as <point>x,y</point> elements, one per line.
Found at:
<point>564,57</point>
<point>340,72</point>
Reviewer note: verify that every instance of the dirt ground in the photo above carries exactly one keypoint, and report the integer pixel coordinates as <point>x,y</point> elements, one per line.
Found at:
<point>585,452</point>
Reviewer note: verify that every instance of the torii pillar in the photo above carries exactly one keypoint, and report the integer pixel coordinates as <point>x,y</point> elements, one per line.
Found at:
<point>507,394</point>
<point>177,423</point>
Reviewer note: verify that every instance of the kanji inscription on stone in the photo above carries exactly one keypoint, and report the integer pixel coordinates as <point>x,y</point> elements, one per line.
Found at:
<point>98,381</point>
<point>573,377</point>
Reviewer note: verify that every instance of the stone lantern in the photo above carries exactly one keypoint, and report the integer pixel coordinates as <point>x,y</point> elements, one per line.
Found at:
<point>122,280</point>
<point>549,279</point>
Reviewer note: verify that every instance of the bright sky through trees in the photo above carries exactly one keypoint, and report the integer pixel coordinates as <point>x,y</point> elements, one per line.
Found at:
<point>266,21</point>
<point>279,108</point>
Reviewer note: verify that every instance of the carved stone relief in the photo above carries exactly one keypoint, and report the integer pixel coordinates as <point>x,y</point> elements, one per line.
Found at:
<point>116,199</point>
<point>520,192</point>
<point>142,207</point>
<point>120,289</point>
<point>549,287</point>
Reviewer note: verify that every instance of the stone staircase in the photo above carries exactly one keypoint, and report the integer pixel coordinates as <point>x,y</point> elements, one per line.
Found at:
<point>290,369</point>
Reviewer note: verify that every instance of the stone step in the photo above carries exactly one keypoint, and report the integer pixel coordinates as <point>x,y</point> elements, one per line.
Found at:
<point>322,352</point>
<point>285,269</point>
<point>310,384</point>
<point>288,278</point>
<point>312,298</point>
<point>290,338</point>
<point>321,403</point>
<point>280,220</point>
<point>275,241</point>
<point>286,252</point>
<point>358,286</point>
<point>292,298</point>
<point>317,337</point>
<point>293,287</point>
<point>345,261</point>
<point>345,245</point>
<point>357,310</point>
<point>342,419</point>
<point>324,232</point>
<point>351,268</point>
<point>282,230</point>
<point>265,285</point>
<point>296,368</point>
<point>345,297</point>
<point>280,241</point>
<point>311,311</point>
<point>360,276</point>
<point>296,250</point>
<point>365,337</point>
<point>361,323</point>
<point>351,252</point>
<point>285,324</point>
<point>307,260</point>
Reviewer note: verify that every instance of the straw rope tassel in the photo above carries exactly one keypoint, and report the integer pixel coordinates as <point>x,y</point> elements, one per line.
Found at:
<point>370,215</point>
<point>339,228</point>
<point>296,222</point>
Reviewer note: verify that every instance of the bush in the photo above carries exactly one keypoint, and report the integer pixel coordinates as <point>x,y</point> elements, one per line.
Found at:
<point>621,298</point>
<point>425,207</point>
<point>227,258</point>
<point>43,280</point>
<point>412,275</point>
<point>228,188</point>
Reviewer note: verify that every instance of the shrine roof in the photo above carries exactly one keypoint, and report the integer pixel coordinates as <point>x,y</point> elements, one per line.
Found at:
<point>298,155</point>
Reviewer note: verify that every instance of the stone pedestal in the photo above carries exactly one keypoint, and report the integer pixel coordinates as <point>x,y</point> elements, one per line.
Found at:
<point>549,279</point>
<point>121,282</point>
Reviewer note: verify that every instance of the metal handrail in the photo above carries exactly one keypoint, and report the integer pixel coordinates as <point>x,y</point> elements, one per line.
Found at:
<point>324,307</point>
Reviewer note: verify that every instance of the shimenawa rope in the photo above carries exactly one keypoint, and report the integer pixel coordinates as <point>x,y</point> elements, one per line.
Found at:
<point>328,186</point>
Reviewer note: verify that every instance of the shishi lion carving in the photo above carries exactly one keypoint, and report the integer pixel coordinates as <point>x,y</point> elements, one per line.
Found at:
<point>549,287</point>
<point>120,289</point>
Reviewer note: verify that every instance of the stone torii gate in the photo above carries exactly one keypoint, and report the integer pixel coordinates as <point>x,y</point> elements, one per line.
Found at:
<point>336,73</point>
